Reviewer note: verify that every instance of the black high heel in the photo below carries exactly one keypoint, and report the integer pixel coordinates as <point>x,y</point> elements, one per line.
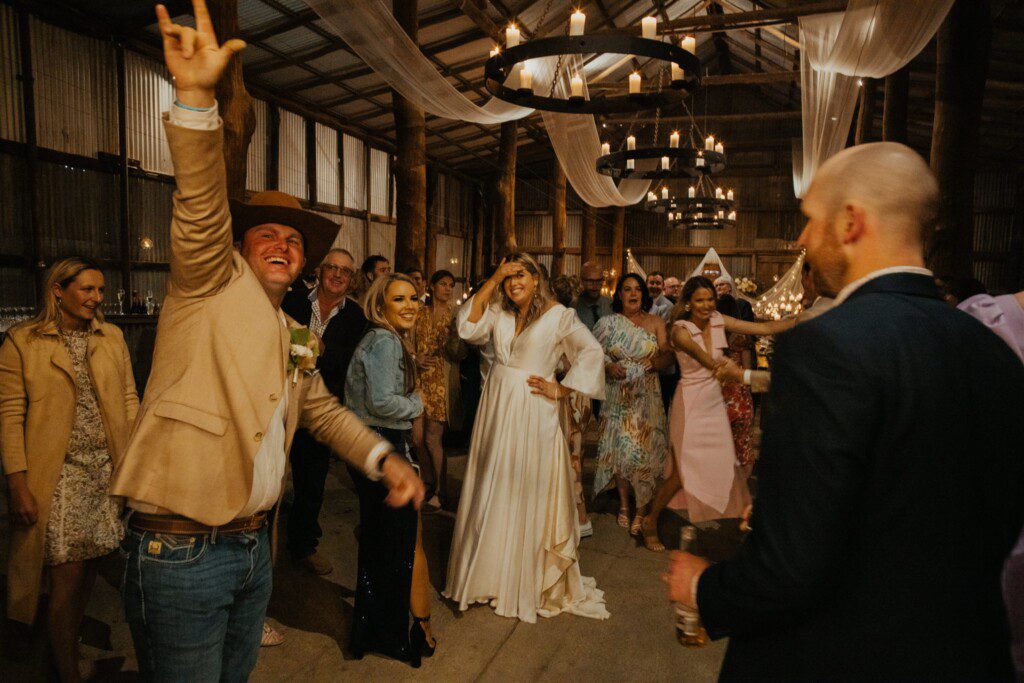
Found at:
<point>418,637</point>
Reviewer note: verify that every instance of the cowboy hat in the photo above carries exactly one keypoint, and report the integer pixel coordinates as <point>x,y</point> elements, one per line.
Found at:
<point>317,232</point>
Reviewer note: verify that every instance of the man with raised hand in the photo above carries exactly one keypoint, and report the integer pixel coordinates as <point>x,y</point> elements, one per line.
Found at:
<point>895,429</point>
<point>231,381</point>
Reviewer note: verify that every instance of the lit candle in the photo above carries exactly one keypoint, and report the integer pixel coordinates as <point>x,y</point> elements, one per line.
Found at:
<point>673,140</point>
<point>526,79</point>
<point>650,27</point>
<point>511,36</point>
<point>631,142</point>
<point>664,193</point>
<point>664,164</point>
<point>689,43</point>
<point>718,193</point>
<point>720,148</point>
<point>677,72</point>
<point>721,214</point>
<point>606,148</point>
<point>692,192</point>
<point>630,164</point>
<point>709,143</point>
<point>732,215</point>
<point>495,51</point>
<point>576,21</point>
<point>730,195</point>
<point>634,83</point>
<point>700,160</point>
<point>576,84</point>
<point>651,197</point>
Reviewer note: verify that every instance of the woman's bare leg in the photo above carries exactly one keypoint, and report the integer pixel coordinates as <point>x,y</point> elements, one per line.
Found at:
<point>70,585</point>
<point>433,431</point>
<point>419,592</point>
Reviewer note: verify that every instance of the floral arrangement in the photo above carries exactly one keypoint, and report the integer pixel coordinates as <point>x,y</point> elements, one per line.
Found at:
<point>746,286</point>
<point>302,353</point>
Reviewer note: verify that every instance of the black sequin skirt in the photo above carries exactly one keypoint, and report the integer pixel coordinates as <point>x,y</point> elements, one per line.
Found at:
<point>387,545</point>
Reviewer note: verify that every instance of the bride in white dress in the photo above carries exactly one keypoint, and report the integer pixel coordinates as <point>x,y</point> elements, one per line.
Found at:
<point>517,536</point>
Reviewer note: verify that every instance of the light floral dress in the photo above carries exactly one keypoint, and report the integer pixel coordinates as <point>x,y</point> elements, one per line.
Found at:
<point>634,431</point>
<point>84,521</point>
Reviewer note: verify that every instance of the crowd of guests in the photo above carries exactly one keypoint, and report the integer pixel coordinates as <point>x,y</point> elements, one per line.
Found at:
<point>889,414</point>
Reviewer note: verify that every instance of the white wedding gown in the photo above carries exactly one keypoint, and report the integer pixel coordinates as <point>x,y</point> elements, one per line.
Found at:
<point>517,535</point>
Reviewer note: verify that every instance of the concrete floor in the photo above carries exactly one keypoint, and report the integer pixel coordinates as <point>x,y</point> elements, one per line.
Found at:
<point>313,613</point>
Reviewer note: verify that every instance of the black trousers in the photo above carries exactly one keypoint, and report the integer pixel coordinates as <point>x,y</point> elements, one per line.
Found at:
<point>310,460</point>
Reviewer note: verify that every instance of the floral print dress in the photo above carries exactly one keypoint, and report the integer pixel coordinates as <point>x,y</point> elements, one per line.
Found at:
<point>739,404</point>
<point>84,521</point>
<point>634,438</point>
<point>431,338</point>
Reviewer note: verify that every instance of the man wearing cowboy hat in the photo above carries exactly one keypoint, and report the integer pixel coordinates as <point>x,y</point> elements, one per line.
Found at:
<point>204,467</point>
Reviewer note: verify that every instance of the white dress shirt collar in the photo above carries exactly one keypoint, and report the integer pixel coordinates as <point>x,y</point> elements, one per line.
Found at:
<point>849,289</point>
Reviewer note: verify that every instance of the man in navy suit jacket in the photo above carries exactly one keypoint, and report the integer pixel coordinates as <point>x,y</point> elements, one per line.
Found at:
<point>891,482</point>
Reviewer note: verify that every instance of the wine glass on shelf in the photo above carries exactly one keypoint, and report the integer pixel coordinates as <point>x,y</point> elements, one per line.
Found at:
<point>149,302</point>
<point>120,302</point>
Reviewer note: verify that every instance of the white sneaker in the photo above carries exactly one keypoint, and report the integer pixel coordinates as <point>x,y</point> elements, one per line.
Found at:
<point>586,529</point>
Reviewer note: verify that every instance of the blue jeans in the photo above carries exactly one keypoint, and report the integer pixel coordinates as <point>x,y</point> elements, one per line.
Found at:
<point>196,606</point>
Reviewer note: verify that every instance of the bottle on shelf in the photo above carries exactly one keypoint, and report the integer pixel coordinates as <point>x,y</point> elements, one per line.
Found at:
<point>689,631</point>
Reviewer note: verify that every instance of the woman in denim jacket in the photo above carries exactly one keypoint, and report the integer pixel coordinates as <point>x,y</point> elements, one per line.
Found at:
<point>380,388</point>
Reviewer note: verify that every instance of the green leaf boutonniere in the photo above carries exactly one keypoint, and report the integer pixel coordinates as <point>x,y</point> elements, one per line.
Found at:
<point>303,352</point>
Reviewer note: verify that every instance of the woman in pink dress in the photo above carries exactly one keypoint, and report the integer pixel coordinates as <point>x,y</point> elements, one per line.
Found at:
<point>704,476</point>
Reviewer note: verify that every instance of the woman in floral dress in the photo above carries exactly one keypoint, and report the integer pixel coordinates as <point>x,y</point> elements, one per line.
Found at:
<point>739,402</point>
<point>634,441</point>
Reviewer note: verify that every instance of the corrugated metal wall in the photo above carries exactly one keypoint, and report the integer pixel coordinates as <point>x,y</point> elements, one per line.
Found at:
<point>149,93</point>
<point>379,181</point>
<point>355,177</point>
<point>11,97</point>
<point>382,240</point>
<point>291,159</point>
<point>80,213</point>
<point>328,183</point>
<point>351,236</point>
<point>149,210</point>
<point>76,91</point>
<point>256,157</point>
<point>14,199</point>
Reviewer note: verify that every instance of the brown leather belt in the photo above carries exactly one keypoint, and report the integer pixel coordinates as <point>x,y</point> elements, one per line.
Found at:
<point>183,526</point>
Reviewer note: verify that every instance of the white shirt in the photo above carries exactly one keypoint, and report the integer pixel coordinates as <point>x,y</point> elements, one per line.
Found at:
<point>849,289</point>
<point>270,460</point>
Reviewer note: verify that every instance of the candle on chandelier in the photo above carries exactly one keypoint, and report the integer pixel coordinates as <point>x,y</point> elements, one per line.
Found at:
<point>721,214</point>
<point>576,22</point>
<point>692,192</point>
<point>718,193</point>
<point>730,195</point>
<point>634,83</point>
<point>677,72</point>
<point>630,165</point>
<point>651,197</point>
<point>720,148</point>
<point>664,163</point>
<point>511,36</point>
<point>732,215</point>
<point>689,43</point>
<point>709,143</point>
<point>700,159</point>
<point>664,193</point>
<point>605,148</point>
<point>631,142</point>
<point>649,26</point>
<point>576,86</point>
<point>495,51</point>
<point>673,140</point>
<point>526,78</point>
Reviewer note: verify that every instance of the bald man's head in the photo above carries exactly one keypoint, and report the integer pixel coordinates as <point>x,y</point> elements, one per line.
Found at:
<point>593,279</point>
<point>865,203</point>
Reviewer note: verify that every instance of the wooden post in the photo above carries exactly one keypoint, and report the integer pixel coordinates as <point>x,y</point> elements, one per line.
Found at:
<point>588,238</point>
<point>123,179</point>
<point>478,233</point>
<point>505,225</point>
<point>618,240</point>
<point>233,100</point>
<point>558,219</point>
<point>866,111</point>
<point>963,45</point>
<point>894,111</point>
<point>431,203</point>
<point>410,164</point>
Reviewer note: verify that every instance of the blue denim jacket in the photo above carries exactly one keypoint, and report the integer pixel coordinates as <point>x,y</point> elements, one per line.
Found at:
<point>375,384</point>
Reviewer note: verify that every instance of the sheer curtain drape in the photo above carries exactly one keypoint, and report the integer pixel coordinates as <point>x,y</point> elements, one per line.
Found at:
<point>369,28</point>
<point>871,39</point>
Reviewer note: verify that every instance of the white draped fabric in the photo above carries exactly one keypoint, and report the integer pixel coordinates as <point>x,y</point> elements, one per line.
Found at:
<point>369,28</point>
<point>789,289</point>
<point>871,39</point>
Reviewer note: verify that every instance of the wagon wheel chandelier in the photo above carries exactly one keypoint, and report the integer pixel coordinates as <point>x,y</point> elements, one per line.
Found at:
<point>692,161</point>
<point>509,74</point>
<point>705,206</point>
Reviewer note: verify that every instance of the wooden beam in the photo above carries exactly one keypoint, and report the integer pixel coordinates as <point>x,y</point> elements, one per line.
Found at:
<point>588,237</point>
<point>741,20</point>
<point>793,115</point>
<point>558,218</point>
<point>233,101</point>
<point>618,241</point>
<point>964,40</point>
<point>894,112</point>
<point>865,111</point>
<point>410,164</point>
<point>756,78</point>
<point>505,227</point>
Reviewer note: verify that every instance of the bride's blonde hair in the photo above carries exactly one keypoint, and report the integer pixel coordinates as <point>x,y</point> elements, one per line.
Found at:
<point>541,295</point>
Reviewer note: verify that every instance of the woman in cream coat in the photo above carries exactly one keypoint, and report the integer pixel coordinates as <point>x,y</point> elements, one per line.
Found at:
<point>67,403</point>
